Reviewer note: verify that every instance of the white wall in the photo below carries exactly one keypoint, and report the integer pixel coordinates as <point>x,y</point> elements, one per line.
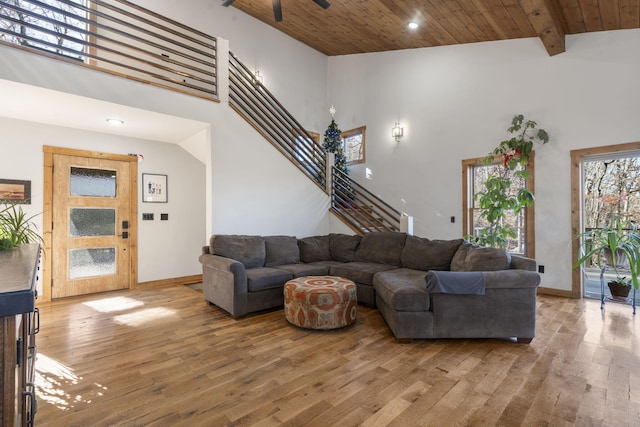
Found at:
<point>293,72</point>
<point>166,249</point>
<point>257,190</point>
<point>251,188</point>
<point>456,102</point>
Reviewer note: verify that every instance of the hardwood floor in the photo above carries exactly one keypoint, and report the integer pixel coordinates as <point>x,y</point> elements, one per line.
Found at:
<point>163,357</point>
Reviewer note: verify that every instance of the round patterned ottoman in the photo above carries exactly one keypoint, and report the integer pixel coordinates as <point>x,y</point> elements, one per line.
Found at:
<point>320,302</point>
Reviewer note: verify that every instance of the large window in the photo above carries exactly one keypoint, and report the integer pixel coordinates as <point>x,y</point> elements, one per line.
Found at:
<point>58,27</point>
<point>475,174</point>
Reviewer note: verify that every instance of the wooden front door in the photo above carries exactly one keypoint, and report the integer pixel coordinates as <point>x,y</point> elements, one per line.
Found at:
<point>92,229</point>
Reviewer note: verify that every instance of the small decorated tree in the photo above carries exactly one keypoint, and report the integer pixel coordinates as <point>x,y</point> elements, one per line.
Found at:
<point>333,144</point>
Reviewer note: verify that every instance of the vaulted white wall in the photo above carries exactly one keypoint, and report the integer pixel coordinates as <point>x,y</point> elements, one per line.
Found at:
<point>456,102</point>
<point>240,184</point>
<point>293,72</point>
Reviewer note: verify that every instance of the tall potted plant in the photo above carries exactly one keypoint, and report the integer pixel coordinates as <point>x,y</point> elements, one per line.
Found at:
<point>500,198</point>
<point>617,246</point>
<point>16,227</point>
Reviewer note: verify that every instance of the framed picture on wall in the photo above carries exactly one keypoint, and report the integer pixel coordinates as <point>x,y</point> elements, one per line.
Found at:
<point>15,191</point>
<point>154,188</point>
<point>354,145</point>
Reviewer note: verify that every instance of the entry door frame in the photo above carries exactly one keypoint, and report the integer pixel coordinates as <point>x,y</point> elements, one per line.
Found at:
<point>577,156</point>
<point>47,214</point>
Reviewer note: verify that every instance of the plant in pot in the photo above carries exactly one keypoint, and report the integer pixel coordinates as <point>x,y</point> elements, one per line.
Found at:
<point>620,286</point>
<point>616,245</point>
<point>16,227</point>
<point>503,196</point>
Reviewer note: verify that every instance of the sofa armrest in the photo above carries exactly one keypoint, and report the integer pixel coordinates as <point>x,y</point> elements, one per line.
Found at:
<point>520,262</point>
<point>205,251</point>
<point>224,283</point>
<point>510,279</point>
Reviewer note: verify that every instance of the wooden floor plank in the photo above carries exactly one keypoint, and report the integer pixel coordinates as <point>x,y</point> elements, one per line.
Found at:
<point>164,357</point>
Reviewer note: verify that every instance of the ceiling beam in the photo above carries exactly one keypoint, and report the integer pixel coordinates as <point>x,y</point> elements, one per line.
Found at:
<point>547,21</point>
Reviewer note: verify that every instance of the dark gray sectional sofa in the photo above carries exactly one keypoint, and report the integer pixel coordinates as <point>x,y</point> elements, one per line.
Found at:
<point>423,288</point>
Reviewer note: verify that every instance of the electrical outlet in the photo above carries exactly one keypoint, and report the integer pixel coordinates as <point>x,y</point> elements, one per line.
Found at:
<point>164,217</point>
<point>147,217</point>
<point>453,219</point>
<point>541,269</point>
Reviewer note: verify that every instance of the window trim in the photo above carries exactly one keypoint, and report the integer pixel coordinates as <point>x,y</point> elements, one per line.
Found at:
<point>346,135</point>
<point>529,212</point>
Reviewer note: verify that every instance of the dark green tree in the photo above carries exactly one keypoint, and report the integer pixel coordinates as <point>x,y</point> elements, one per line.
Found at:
<point>333,144</point>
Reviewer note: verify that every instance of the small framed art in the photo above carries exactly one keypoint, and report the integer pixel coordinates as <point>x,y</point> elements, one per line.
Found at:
<point>15,191</point>
<point>154,188</point>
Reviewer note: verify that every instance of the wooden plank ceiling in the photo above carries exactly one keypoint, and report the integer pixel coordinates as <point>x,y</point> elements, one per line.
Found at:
<point>359,26</point>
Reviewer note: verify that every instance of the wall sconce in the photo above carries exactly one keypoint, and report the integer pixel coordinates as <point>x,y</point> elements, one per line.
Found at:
<point>397,131</point>
<point>257,77</point>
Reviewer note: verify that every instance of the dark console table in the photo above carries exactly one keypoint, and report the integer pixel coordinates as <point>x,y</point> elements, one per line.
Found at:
<point>19,324</point>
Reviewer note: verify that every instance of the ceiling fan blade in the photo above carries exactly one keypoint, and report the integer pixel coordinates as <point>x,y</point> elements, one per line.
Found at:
<point>277,10</point>
<point>227,3</point>
<point>322,3</point>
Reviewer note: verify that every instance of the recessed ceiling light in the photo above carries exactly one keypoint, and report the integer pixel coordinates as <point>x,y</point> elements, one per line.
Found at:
<point>412,25</point>
<point>115,122</point>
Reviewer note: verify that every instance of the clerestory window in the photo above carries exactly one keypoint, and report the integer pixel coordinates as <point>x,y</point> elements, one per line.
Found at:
<point>53,26</point>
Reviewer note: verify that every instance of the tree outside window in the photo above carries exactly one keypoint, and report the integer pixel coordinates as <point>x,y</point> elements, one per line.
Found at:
<point>57,28</point>
<point>611,190</point>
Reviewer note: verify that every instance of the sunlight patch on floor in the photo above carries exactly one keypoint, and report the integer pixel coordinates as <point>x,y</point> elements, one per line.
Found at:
<point>52,377</point>
<point>140,317</point>
<point>109,305</point>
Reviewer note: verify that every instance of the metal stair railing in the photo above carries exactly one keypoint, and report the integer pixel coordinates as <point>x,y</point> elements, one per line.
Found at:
<point>363,211</point>
<point>117,37</point>
<point>253,101</point>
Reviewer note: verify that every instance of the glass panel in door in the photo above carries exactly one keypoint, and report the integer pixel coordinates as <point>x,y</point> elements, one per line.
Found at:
<point>611,188</point>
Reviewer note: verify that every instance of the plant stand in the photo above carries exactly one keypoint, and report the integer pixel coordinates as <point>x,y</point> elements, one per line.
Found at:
<point>604,298</point>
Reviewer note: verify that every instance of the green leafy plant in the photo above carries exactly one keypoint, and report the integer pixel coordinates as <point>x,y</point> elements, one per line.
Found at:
<point>500,197</point>
<point>623,281</point>
<point>616,245</point>
<point>16,227</point>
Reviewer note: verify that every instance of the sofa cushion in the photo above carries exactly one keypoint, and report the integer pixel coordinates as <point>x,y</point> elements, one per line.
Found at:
<point>479,258</point>
<point>424,254</point>
<point>281,250</point>
<point>382,247</point>
<point>327,264</point>
<point>314,249</point>
<point>249,250</point>
<point>359,272</point>
<point>299,270</point>
<point>343,247</point>
<point>262,278</point>
<point>403,289</point>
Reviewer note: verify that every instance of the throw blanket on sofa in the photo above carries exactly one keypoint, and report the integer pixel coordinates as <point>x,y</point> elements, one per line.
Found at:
<point>455,282</point>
